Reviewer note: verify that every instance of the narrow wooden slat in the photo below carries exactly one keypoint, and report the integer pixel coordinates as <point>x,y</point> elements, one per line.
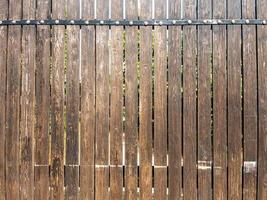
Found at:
<point>250,102</point>
<point>27,116</point>
<point>131,102</point>
<point>57,105</point>
<point>116,102</point>
<point>13,103</point>
<point>189,104</point>
<point>234,104</point>
<point>87,104</point>
<point>160,104</point>
<point>102,104</point>
<point>175,103</point>
<point>72,104</point>
<point>219,105</point>
<point>145,101</point>
<point>204,102</point>
<point>3,76</point>
<point>262,102</point>
<point>42,95</point>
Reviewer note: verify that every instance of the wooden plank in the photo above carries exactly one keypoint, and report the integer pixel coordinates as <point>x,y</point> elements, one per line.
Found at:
<point>160,104</point>
<point>131,102</point>
<point>250,102</point>
<point>116,102</point>
<point>102,104</point>
<point>219,105</point>
<point>262,102</point>
<point>234,104</point>
<point>204,102</point>
<point>13,103</point>
<point>72,104</point>
<point>3,76</point>
<point>27,112</point>
<point>145,102</point>
<point>57,105</point>
<point>42,95</point>
<point>87,104</point>
<point>189,104</point>
<point>175,103</point>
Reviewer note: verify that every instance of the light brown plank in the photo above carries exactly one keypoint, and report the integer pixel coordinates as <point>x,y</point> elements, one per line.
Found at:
<point>262,102</point>
<point>175,103</point>
<point>42,95</point>
<point>87,104</point>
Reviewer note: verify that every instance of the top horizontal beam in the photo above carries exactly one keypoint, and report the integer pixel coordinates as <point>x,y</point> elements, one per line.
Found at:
<point>166,22</point>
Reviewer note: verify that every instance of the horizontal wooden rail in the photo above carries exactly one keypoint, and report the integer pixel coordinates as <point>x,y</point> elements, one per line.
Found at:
<point>166,22</point>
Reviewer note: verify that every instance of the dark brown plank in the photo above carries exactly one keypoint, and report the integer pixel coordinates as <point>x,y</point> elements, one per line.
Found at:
<point>131,102</point>
<point>13,103</point>
<point>145,101</point>
<point>27,112</point>
<point>42,95</point>
<point>234,104</point>
<point>250,103</point>
<point>102,104</point>
<point>87,104</point>
<point>3,76</point>
<point>262,102</point>
<point>116,102</point>
<point>189,104</point>
<point>57,105</point>
<point>175,104</point>
<point>219,105</point>
<point>72,104</point>
<point>160,104</point>
<point>204,102</point>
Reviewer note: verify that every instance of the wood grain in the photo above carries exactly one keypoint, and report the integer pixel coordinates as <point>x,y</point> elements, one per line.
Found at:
<point>87,104</point>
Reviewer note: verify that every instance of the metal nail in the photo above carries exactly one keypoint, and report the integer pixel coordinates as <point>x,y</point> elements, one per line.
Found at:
<point>57,21</point>
<point>264,22</point>
<point>146,23</point>
<point>28,21</point>
<point>86,22</point>
<point>117,22</point>
<point>13,21</point>
<point>233,21</point>
<point>247,21</point>
<point>189,21</point>
<point>101,22</point>
<point>131,22</point>
<point>42,21</point>
<point>174,21</point>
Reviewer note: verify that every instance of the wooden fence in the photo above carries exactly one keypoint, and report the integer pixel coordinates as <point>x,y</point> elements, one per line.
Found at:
<point>133,112</point>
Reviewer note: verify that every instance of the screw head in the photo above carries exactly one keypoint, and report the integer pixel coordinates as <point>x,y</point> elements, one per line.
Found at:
<point>131,22</point>
<point>205,21</point>
<point>264,21</point>
<point>28,21</point>
<point>189,21</point>
<point>13,21</point>
<point>173,21</point>
<point>219,21</point>
<point>101,22</point>
<point>160,23</point>
<point>247,21</point>
<point>1,22</point>
<point>117,22</point>
<point>42,21</point>
<point>57,21</point>
<point>146,23</point>
<point>86,22</point>
<point>233,21</point>
<point>72,21</point>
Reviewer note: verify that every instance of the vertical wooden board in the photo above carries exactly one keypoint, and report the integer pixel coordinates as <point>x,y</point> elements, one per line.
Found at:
<point>204,102</point>
<point>27,111</point>
<point>102,104</point>
<point>234,104</point>
<point>145,101</point>
<point>131,102</point>
<point>57,105</point>
<point>219,104</point>
<point>250,103</point>
<point>3,76</point>
<point>13,103</point>
<point>189,104</point>
<point>72,104</point>
<point>160,103</point>
<point>116,102</point>
<point>42,96</point>
<point>175,103</point>
<point>262,102</point>
<point>87,104</point>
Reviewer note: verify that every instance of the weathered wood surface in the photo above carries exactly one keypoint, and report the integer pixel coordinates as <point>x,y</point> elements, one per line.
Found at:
<point>204,103</point>
<point>145,104</point>
<point>189,104</point>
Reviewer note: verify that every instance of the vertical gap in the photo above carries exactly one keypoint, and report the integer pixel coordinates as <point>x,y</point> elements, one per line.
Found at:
<point>212,113</point>
<point>196,103</point>
<point>182,101</point>
<point>95,108</point>
<point>227,130</point>
<point>167,96</point>
<point>65,98</point>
